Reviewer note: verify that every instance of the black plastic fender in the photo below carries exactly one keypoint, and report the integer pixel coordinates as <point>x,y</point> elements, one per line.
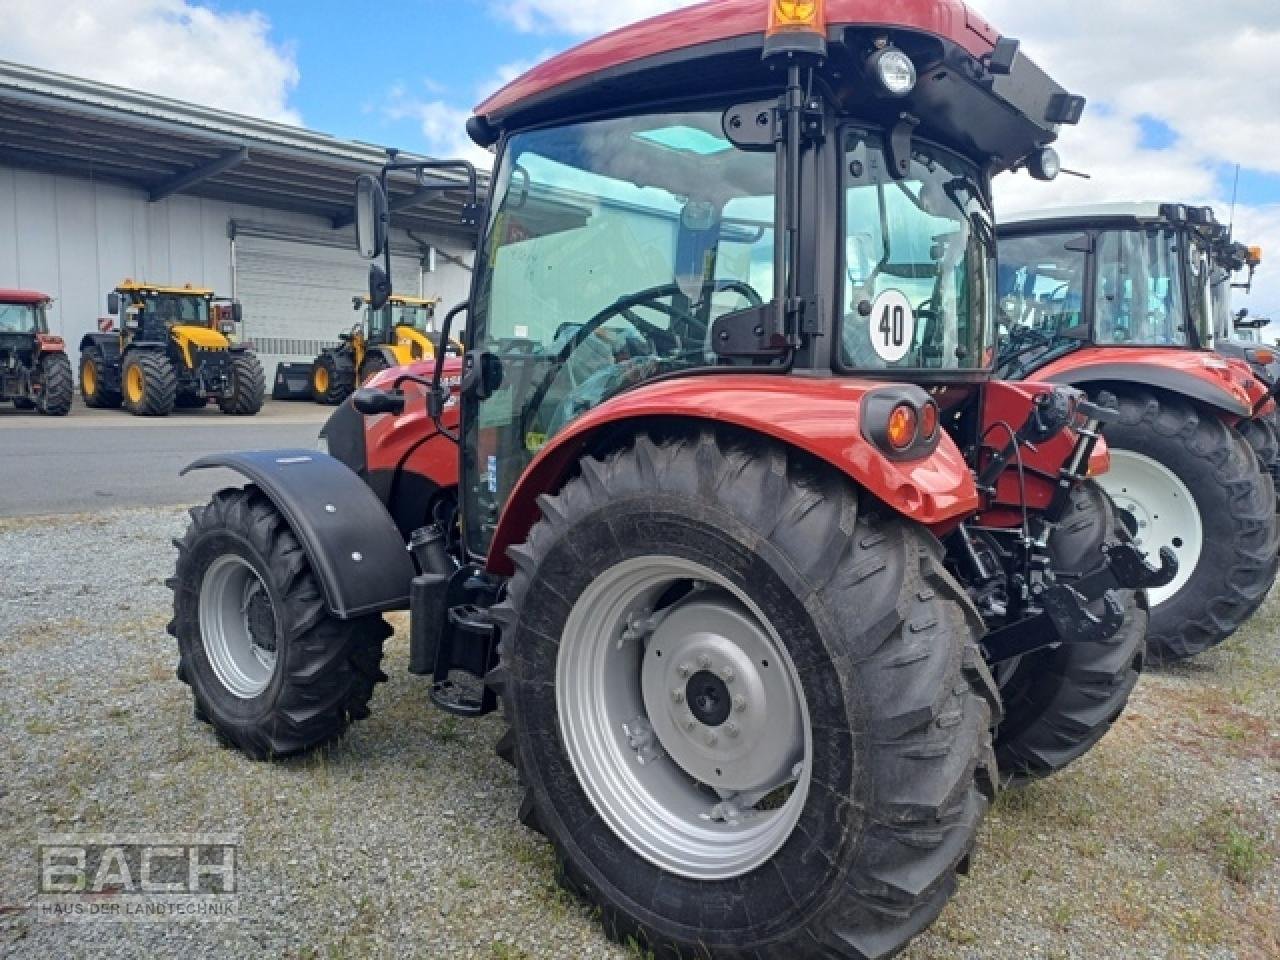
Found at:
<point>1151,375</point>
<point>355,549</point>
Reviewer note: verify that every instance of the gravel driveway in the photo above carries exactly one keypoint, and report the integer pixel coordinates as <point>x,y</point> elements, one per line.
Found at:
<point>402,840</point>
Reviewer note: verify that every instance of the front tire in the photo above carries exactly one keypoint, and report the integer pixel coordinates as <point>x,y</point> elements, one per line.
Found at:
<point>1188,481</point>
<point>331,383</point>
<point>248,386</point>
<point>269,668</point>
<point>58,385</point>
<point>1060,702</point>
<point>93,377</point>
<point>150,385</point>
<point>859,852</point>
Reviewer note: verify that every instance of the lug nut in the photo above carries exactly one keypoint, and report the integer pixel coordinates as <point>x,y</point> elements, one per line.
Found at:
<point>690,724</point>
<point>684,670</point>
<point>729,675</point>
<point>739,703</point>
<point>677,696</point>
<point>704,661</point>
<point>732,728</point>
<point>711,739</point>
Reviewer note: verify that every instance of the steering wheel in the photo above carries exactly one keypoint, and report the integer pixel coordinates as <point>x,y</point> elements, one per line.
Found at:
<point>626,307</point>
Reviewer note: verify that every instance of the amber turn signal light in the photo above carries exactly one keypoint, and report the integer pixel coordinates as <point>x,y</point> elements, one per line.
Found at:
<point>903,427</point>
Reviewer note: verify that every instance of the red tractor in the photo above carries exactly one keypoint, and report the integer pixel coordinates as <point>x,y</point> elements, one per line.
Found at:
<point>35,373</point>
<point>773,583</point>
<point>1117,299</point>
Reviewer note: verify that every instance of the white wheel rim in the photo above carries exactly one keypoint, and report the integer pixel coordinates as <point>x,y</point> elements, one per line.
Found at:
<point>238,626</point>
<point>626,735</point>
<point>1164,510</point>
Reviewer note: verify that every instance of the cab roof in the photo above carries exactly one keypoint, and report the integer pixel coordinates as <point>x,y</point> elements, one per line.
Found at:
<point>402,301</point>
<point>722,21</point>
<point>141,286</point>
<point>1148,210</point>
<point>14,295</point>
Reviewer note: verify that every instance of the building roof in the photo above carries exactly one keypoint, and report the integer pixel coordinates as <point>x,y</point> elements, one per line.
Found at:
<point>59,124</point>
<point>721,20</point>
<point>11,295</point>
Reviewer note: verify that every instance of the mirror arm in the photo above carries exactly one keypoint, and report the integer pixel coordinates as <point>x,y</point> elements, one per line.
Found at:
<point>435,402</point>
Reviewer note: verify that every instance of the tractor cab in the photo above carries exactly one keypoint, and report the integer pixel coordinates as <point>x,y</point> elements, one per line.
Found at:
<point>35,373</point>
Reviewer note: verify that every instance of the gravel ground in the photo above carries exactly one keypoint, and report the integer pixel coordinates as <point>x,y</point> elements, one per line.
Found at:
<point>402,840</point>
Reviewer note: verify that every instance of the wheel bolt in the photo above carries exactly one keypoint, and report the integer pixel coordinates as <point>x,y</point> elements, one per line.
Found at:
<point>739,703</point>
<point>684,670</point>
<point>704,661</point>
<point>729,675</point>
<point>690,724</point>
<point>732,728</point>
<point>711,739</point>
<point>677,696</point>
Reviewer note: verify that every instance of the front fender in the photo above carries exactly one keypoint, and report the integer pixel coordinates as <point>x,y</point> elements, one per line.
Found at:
<point>1198,375</point>
<point>818,416</point>
<point>357,553</point>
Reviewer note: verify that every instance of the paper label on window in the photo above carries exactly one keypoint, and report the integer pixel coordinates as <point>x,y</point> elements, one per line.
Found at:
<point>522,331</point>
<point>893,326</point>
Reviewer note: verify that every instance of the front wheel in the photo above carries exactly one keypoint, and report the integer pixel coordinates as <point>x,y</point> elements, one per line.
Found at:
<point>749,708</point>
<point>248,386</point>
<point>330,381</point>
<point>150,385</point>
<point>94,376</point>
<point>268,667</point>
<point>1181,478</point>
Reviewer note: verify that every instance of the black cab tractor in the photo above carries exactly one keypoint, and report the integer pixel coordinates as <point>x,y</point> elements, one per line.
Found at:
<point>773,584</point>
<point>399,332</point>
<point>35,373</point>
<point>1117,298</point>
<point>175,347</point>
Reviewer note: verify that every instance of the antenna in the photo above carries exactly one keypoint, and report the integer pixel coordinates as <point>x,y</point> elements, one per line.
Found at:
<point>1235,192</point>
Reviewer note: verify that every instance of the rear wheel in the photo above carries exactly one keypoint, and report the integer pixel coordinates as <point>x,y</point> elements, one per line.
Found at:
<point>248,386</point>
<point>93,380</point>
<point>750,713</point>
<point>1261,434</point>
<point>150,385</point>
<point>331,382</point>
<point>58,385</point>
<point>1059,703</point>
<point>268,667</point>
<point>1181,478</point>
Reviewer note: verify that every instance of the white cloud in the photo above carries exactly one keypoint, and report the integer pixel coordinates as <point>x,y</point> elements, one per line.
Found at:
<point>1205,74</point>
<point>579,17</point>
<point>174,48</point>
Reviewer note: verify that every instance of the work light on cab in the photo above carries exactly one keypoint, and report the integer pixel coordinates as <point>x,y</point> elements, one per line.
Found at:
<point>1045,164</point>
<point>894,71</point>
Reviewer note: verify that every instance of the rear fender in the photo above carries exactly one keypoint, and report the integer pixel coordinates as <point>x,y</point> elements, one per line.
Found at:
<point>108,343</point>
<point>818,416</point>
<point>1198,375</point>
<point>355,549</point>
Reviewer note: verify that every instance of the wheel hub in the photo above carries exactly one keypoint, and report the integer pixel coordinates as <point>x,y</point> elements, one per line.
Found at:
<point>720,707</point>
<point>238,627</point>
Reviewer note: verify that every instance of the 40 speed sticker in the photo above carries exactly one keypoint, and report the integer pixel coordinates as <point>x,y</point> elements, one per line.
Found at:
<point>893,326</point>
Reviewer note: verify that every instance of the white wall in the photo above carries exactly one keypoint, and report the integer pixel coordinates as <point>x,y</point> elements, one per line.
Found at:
<point>76,239</point>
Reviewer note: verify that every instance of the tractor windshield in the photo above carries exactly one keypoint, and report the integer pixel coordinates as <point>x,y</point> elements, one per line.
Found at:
<point>1042,293</point>
<point>413,315</point>
<point>1139,298</point>
<point>176,308</point>
<point>612,248</point>
<point>22,318</point>
<point>918,262</point>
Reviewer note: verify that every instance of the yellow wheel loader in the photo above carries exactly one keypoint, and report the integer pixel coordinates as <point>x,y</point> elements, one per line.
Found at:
<point>399,333</point>
<point>175,347</point>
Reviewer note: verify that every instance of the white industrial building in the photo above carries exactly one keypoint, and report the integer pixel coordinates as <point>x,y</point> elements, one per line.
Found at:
<point>99,184</point>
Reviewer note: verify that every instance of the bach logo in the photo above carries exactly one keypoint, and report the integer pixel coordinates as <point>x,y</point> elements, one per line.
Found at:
<point>138,876</point>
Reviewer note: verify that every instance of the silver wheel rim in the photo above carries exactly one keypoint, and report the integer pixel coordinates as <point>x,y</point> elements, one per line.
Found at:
<point>238,626</point>
<point>686,726</point>
<point>1163,509</point>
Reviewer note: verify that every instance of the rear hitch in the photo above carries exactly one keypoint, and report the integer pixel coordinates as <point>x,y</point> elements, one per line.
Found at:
<point>1127,569</point>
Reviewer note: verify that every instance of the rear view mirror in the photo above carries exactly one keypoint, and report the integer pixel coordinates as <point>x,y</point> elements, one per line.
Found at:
<point>379,288</point>
<point>371,216</point>
<point>113,303</point>
<point>371,401</point>
<point>237,312</point>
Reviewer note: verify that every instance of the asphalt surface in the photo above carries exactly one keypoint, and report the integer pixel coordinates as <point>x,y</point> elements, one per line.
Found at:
<point>96,460</point>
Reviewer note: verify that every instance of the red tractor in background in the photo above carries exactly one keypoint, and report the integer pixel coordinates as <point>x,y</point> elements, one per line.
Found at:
<point>35,373</point>
<point>773,583</point>
<point>1117,299</point>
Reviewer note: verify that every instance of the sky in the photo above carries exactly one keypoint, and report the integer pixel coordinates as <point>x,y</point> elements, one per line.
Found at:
<point>1180,91</point>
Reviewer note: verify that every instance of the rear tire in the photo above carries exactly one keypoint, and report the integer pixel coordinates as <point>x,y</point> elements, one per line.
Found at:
<point>149,383</point>
<point>248,386</point>
<point>1261,435</point>
<point>284,677</point>
<point>93,375</point>
<point>59,385</point>
<point>331,382</point>
<point>1167,451</point>
<point>880,640</point>
<point>1059,703</point>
